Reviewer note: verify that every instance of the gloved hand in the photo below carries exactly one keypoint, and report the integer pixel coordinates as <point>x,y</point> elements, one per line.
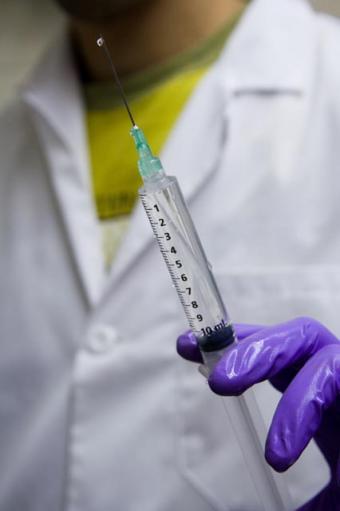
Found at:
<point>300,358</point>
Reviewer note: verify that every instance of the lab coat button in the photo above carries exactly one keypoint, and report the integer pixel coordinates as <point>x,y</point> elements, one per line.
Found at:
<point>102,338</point>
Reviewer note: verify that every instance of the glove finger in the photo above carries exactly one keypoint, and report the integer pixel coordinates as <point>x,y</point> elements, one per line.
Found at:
<point>266,353</point>
<point>187,346</point>
<point>302,407</point>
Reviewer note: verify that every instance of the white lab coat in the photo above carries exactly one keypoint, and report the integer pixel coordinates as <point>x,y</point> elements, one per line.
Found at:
<point>97,411</point>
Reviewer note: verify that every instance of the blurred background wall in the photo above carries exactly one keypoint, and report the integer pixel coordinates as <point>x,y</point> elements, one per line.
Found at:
<point>27,26</point>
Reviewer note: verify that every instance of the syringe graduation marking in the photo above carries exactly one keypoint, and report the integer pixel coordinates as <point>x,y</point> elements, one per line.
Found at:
<point>102,44</point>
<point>164,252</point>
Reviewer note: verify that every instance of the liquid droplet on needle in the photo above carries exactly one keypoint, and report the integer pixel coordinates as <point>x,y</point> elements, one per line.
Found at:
<point>100,41</point>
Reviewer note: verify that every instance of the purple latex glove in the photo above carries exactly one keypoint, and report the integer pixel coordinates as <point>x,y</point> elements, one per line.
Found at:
<point>301,358</point>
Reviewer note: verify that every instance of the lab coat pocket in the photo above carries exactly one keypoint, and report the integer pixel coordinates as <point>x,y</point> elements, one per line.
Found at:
<point>211,457</point>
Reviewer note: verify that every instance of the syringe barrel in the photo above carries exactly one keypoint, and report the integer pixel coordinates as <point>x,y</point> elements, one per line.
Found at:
<point>207,317</point>
<point>188,266</point>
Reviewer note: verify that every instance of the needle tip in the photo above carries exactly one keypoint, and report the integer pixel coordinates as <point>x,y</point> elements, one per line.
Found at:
<point>100,41</point>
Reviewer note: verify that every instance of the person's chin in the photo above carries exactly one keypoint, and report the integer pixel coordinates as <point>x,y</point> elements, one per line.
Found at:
<point>96,10</point>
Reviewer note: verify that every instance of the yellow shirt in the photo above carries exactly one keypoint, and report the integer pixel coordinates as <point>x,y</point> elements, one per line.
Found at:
<point>156,98</point>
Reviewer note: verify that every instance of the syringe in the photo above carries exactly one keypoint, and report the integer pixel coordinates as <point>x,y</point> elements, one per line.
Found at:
<point>202,303</point>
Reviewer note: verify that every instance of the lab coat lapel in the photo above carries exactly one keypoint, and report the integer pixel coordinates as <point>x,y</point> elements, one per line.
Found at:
<point>54,102</point>
<point>272,49</point>
<point>270,57</point>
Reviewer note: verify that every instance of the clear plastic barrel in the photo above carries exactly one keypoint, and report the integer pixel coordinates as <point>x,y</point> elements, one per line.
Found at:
<point>197,290</point>
<point>188,266</point>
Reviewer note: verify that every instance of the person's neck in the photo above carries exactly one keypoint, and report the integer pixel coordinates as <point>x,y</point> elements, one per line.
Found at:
<point>149,34</point>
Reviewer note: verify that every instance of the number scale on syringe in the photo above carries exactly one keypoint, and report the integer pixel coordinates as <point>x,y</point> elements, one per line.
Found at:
<point>186,262</point>
<point>172,257</point>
